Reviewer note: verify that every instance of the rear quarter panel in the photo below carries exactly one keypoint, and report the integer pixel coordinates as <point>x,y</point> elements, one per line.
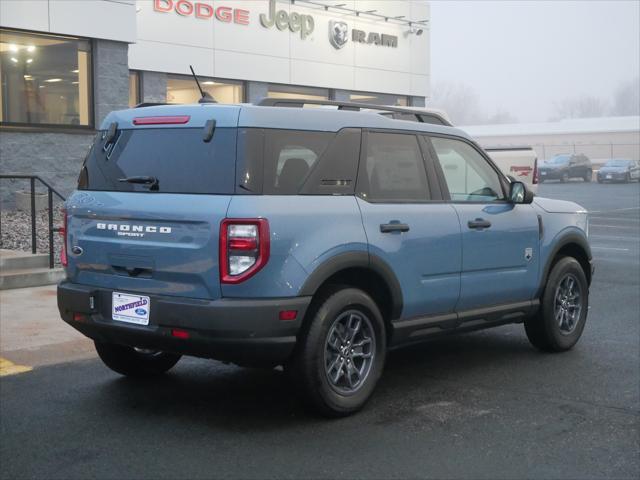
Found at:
<point>305,231</point>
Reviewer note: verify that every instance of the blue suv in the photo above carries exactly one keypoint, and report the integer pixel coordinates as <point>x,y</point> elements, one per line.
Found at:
<point>313,238</point>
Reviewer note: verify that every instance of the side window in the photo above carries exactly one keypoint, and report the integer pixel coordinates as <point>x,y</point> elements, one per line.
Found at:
<point>289,157</point>
<point>393,169</point>
<point>469,176</point>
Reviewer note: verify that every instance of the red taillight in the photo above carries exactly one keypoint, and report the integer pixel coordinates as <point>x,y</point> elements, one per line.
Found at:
<point>535,171</point>
<point>63,233</point>
<point>244,248</point>
<point>171,120</point>
<point>288,315</point>
<point>181,334</point>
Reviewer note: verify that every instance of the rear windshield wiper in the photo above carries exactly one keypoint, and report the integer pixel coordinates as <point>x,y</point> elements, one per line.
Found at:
<point>153,182</point>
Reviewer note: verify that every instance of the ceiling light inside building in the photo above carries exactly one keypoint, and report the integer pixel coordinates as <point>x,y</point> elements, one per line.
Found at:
<point>53,80</point>
<point>31,48</point>
<point>29,60</point>
<point>14,59</point>
<point>75,71</point>
<point>13,47</point>
<point>209,83</point>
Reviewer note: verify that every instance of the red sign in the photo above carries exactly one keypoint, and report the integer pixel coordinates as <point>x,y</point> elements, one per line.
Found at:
<point>202,10</point>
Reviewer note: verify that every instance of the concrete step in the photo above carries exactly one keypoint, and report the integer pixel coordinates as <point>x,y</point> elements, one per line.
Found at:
<point>31,277</point>
<point>17,260</point>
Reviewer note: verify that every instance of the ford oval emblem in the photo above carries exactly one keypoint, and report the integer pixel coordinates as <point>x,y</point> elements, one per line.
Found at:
<point>141,311</point>
<point>77,250</point>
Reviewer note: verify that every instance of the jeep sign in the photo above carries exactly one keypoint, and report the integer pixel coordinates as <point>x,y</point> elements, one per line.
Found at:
<point>296,22</point>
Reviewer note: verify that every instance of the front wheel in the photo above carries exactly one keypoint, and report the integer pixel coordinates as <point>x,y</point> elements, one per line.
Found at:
<point>564,177</point>
<point>340,355</point>
<point>588,175</point>
<point>627,179</point>
<point>135,362</point>
<point>560,321</point>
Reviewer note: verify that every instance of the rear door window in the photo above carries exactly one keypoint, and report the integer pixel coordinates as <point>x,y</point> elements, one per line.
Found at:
<point>179,158</point>
<point>289,157</point>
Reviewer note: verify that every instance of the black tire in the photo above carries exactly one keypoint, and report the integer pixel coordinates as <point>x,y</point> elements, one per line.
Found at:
<point>588,176</point>
<point>134,363</point>
<point>627,178</point>
<point>600,181</point>
<point>564,177</point>
<point>543,330</point>
<point>312,358</point>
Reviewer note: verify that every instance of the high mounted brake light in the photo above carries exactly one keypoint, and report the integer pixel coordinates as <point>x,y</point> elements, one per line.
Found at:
<point>171,120</point>
<point>244,248</point>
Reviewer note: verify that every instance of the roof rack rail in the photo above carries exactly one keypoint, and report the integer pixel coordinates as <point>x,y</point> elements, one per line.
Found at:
<point>421,116</point>
<point>151,104</point>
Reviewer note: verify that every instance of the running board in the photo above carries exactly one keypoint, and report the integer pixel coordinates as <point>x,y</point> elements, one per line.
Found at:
<point>417,328</point>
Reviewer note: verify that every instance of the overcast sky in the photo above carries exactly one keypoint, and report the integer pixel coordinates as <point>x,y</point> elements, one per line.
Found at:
<point>521,56</point>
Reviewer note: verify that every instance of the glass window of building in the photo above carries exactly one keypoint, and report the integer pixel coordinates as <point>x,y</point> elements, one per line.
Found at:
<point>302,93</point>
<point>183,89</point>
<point>379,99</point>
<point>44,80</point>
<point>134,88</point>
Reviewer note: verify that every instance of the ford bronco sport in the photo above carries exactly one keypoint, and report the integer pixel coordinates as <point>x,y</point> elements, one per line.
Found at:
<point>312,238</point>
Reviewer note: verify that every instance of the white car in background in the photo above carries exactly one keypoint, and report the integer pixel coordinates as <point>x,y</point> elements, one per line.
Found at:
<point>519,163</point>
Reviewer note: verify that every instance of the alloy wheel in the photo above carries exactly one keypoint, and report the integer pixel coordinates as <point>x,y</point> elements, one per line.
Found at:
<point>349,353</point>
<point>568,304</point>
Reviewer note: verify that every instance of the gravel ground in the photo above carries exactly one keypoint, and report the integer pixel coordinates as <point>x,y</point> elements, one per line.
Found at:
<point>16,231</point>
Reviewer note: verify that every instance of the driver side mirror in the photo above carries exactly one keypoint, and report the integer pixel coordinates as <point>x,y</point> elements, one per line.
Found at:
<point>519,193</point>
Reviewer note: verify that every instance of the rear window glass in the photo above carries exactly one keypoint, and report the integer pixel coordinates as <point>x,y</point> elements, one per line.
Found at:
<point>289,157</point>
<point>177,158</point>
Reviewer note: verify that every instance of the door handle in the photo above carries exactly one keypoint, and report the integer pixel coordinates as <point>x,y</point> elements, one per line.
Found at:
<point>394,227</point>
<point>479,223</point>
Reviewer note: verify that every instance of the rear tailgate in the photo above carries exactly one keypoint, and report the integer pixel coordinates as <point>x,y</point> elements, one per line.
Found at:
<point>149,243</point>
<point>152,193</point>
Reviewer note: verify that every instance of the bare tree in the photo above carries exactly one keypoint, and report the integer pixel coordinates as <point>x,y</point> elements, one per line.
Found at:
<point>501,117</point>
<point>460,102</point>
<point>580,107</point>
<point>626,98</point>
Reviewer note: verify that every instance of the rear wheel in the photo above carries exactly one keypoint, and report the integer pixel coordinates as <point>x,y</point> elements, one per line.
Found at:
<point>588,175</point>
<point>564,177</point>
<point>627,178</point>
<point>560,321</point>
<point>341,355</point>
<point>135,362</point>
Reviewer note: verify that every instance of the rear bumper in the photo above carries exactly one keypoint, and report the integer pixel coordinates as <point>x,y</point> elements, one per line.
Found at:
<point>247,332</point>
<point>550,174</point>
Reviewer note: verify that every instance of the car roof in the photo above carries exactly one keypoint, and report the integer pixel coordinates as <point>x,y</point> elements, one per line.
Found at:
<point>255,116</point>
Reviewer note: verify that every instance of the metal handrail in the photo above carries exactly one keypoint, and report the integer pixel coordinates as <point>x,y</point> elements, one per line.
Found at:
<point>50,192</point>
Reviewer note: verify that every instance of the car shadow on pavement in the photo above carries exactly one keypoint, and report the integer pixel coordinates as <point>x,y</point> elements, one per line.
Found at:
<point>229,397</point>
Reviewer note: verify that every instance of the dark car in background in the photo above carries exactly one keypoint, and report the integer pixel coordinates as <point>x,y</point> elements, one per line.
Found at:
<point>566,166</point>
<point>619,170</point>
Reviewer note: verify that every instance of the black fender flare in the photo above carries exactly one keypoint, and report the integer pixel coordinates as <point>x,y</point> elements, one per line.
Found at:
<point>356,259</point>
<point>567,239</point>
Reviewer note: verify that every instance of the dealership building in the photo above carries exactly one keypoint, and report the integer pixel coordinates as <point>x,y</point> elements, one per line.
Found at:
<point>64,64</point>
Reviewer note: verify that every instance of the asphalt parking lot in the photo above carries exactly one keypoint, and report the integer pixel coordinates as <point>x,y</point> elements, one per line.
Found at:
<point>481,405</point>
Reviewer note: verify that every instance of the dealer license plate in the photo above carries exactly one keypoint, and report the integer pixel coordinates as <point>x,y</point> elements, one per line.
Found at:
<point>130,308</point>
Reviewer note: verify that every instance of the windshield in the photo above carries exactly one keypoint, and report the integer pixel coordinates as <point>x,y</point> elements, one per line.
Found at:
<point>617,163</point>
<point>559,159</point>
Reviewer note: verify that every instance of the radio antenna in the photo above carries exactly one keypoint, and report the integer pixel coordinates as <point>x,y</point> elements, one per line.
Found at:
<point>205,97</point>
